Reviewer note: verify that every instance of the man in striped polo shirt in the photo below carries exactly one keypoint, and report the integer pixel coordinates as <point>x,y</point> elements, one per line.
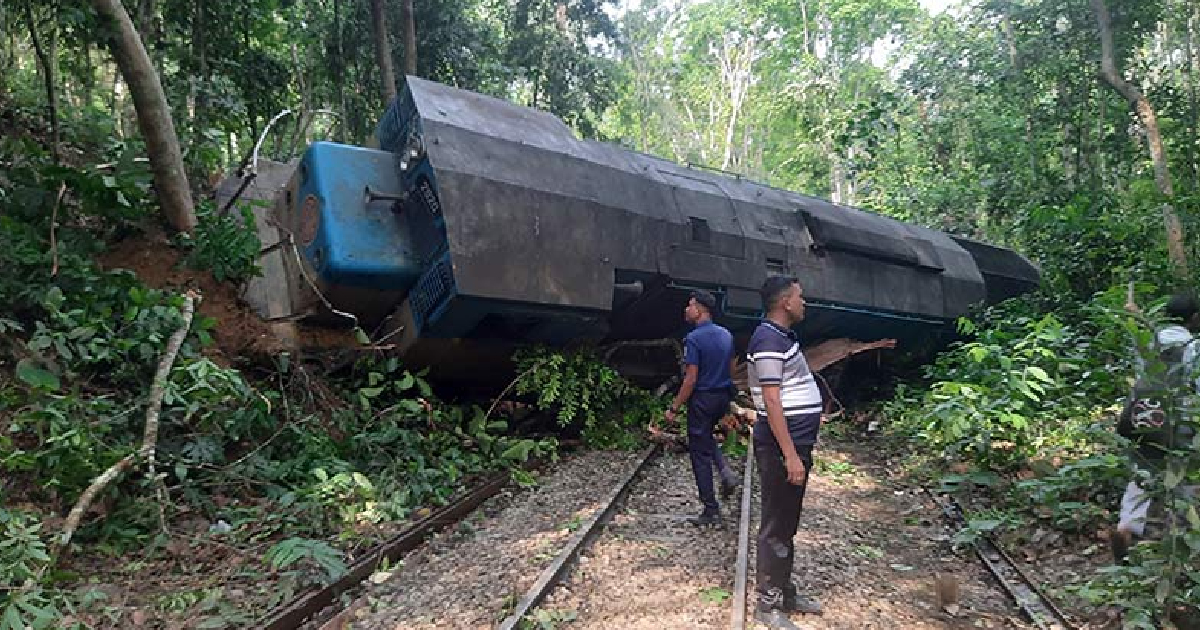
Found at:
<point>789,406</point>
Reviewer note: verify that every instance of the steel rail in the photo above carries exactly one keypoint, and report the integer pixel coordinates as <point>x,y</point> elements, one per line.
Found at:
<point>1033,602</point>
<point>308,604</point>
<point>737,617</point>
<point>550,576</point>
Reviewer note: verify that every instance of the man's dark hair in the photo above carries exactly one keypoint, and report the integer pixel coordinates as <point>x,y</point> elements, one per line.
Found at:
<point>1183,306</point>
<point>705,299</point>
<point>774,288</point>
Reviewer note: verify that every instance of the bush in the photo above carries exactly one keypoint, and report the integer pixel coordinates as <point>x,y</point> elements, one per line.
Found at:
<point>584,392</point>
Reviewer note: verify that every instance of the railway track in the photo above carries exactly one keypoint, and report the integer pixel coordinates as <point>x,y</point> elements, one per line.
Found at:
<point>315,602</point>
<point>622,557</point>
<point>1034,604</point>
<point>619,531</point>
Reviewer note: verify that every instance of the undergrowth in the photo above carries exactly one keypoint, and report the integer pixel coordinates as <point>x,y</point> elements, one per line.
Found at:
<point>1024,408</point>
<point>267,475</point>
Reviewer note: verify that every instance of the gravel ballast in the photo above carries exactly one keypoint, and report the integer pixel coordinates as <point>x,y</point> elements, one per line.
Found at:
<point>650,568</point>
<point>468,576</point>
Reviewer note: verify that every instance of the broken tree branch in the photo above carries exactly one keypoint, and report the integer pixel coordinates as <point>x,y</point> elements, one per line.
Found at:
<point>511,385</point>
<point>149,436</point>
<point>62,188</point>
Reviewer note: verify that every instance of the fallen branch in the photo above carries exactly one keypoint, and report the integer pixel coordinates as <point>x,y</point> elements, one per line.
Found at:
<point>62,188</point>
<point>510,386</point>
<point>149,436</point>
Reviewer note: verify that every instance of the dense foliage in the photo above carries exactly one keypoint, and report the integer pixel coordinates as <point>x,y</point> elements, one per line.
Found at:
<point>987,119</point>
<point>265,459</point>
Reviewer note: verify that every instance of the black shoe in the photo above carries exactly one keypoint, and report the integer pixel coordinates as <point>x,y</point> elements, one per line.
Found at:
<point>1120,541</point>
<point>728,488</point>
<point>774,618</point>
<point>770,611</point>
<point>706,518</point>
<point>796,603</point>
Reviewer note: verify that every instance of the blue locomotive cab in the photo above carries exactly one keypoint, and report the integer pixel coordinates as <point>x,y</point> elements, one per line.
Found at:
<point>352,231</point>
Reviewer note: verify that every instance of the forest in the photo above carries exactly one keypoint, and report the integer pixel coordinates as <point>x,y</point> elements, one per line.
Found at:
<point>165,465</point>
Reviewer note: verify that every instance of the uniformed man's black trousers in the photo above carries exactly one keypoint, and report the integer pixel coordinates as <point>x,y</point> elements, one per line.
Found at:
<point>705,409</point>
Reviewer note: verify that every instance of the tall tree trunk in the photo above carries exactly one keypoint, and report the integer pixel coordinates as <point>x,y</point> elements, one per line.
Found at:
<point>46,60</point>
<point>153,114</point>
<point>1018,66</point>
<point>410,36</point>
<point>804,18</point>
<point>383,52</point>
<point>89,79</point>
<point>1192,23</point>
<point>639,82</point>
<point>339,70</point>
<point>1162,174</point>
<point>199,82</point>
<point>147,23</point>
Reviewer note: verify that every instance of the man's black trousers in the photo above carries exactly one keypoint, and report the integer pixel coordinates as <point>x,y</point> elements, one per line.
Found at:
<point>781,506</point>
<point>705,409</point>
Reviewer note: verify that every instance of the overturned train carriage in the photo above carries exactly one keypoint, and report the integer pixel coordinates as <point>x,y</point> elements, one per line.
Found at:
<point>478,224</point>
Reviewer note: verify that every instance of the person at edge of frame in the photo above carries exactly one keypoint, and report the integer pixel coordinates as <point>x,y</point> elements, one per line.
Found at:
<point>1148,425</point>
<point>789,405</point>
<point>707,388</point>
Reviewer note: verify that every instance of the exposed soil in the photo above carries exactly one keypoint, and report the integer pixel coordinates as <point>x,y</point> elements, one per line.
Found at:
<point>240,331</point>
<point>870,548</point>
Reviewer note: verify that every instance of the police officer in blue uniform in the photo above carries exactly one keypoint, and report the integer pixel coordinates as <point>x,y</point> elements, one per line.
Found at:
<point>707,387</point>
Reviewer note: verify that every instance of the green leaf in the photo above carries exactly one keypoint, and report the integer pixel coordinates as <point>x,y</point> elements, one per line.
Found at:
<point>362,481</point>
<point>54,298</point>
<point>12,619</point>
<point>984,525</point>
<point>1173,478</point>
<point>518,452</point>
<point>1162,591</point>
<point>1039,374</point>
<point>406,381</point>
<point>715,595</point>
<point>37,377</point>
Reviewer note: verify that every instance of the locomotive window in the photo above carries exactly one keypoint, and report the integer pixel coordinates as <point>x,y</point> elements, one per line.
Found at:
<point>700,230</point>
<point>776,265</point>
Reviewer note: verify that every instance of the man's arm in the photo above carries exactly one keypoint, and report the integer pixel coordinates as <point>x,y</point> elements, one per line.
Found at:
<point>791,460</point>
<point>690,374</point>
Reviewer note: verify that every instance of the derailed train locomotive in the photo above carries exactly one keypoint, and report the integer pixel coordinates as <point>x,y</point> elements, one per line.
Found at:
<point>483,223</point>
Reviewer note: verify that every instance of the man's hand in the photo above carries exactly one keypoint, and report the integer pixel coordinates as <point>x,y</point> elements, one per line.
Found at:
<point>669,415</point>
<point>796,473</point>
